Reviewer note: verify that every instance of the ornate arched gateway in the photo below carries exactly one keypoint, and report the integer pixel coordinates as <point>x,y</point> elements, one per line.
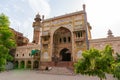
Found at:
<point>62,44</point>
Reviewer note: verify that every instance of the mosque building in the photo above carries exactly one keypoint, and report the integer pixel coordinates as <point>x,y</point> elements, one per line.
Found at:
<point>60,41</point>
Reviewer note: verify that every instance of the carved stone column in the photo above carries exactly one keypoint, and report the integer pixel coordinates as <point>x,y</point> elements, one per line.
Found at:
<point>73,52</point>
<point>32,64</point>
<point>51,45</point>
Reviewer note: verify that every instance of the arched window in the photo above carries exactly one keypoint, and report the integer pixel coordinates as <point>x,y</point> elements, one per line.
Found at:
<point>22,54</point>
<point>64,39</point>
<point>78,34</point>
<point>60,40</point>
<point>29,54</point>
<point>69,39</point>
<point>81,34</point>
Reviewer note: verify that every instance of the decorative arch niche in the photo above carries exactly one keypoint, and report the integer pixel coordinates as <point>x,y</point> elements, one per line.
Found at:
<point>62,38</point>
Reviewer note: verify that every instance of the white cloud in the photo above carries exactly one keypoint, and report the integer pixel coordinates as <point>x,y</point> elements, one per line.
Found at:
<point>27,29</point>
<point>40,6</point>
<point>17,8</point>
<point>103,15</point>
<point>15,24</point>
<point>23,27</point>
<point>22,0</point>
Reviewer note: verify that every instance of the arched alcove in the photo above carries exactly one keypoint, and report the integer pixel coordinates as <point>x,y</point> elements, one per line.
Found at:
<point>62,39</point>
<point>36,64</point>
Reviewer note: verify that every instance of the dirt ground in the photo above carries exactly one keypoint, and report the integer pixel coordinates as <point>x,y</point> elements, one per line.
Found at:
<point>37,75</point>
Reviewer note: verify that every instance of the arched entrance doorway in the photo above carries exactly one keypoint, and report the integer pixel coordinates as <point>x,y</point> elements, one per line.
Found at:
<point>36,64</point>
<point>65,55</point>
<point>62,40</point>
<point>16,65</point>
<point>22,65</point>
<point>29,64</point>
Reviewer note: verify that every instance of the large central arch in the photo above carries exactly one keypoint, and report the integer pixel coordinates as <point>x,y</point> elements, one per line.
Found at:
<point>62,41</point>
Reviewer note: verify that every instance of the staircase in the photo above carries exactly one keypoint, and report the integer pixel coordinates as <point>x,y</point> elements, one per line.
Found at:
<point>58,71</point>
<point>58,64</point>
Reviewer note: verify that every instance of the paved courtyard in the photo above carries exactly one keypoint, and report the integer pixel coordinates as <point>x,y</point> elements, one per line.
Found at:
<point>37,75</point>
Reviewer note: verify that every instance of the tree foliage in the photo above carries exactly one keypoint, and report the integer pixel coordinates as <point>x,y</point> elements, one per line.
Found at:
<point>95,62</point>
<point>7,41</point>
<point>118,57</point>
<point>116,67</point>
<point>116,70</point>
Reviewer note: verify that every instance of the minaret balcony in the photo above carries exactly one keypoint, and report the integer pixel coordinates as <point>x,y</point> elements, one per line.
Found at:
<point>79,29</point>
<point>45,42</point>
<point>79,39</point>
<point>45,33</point>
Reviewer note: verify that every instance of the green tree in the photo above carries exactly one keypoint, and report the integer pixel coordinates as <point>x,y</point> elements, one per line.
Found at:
<point>118,57</point>
<point>116,70</point>
<point>95,62</point>
<point>116,67</point>
<point>7,41</point>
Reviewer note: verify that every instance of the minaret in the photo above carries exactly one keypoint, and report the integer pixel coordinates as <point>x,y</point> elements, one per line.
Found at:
<point>37,25</point>
<point>86,26</point>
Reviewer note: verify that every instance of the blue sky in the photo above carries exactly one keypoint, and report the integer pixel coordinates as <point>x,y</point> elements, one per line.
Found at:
<point>102,14</point>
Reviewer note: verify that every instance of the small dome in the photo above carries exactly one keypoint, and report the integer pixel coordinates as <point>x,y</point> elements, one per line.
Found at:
<point>38,15</point>
<point>37,18</point>
<point>110,34</point>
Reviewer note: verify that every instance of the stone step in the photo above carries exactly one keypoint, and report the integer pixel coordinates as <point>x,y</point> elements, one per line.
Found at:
<point>59,70</point>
